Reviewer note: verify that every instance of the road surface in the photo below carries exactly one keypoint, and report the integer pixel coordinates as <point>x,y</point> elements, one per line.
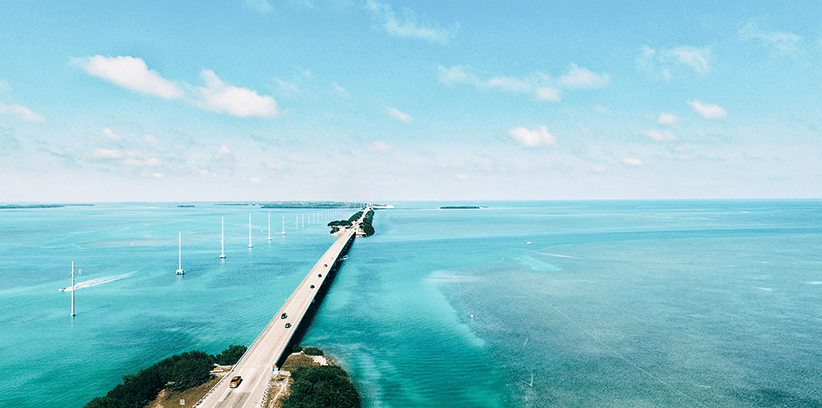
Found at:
<point>256,365</point>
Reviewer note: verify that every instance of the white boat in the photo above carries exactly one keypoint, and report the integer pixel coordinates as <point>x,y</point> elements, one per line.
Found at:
<point>269,225</point>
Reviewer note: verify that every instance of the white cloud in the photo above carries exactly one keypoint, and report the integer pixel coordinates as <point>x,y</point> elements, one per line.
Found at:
<point>509,84</point>
<point>151,140</point>
<point>288,88</point>
<point>457,74</point>
<point>340,90</point>
<point>667,119</point>
<point>538,137</point>
<point>777,42</point>
<point>663,61</point>
<point>224,151</point>
<point>397,114</point>
<point>130,73</point>
<point>260,6</point>
<point>537,84</point>
<point>632,161</point>
<point>578,77</point>
<point>143,162</point>
<point>601,109</point>
<point>106,154</point>
<point>21,112</point>
<point>548,94</point>
<point>379,146</point>
<point>664,136</point>
<point>241,102</point>
<point>254,180</point>
<point>695,58</point>
<point>708,111</point>
<point>461,176</point>
<point>111,135</point>
<point>407,25</point>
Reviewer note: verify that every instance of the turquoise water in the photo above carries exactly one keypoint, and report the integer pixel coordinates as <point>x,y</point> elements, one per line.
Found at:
<point>523,304</point>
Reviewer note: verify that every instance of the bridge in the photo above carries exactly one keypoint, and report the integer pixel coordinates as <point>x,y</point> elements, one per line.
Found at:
<point>269,348</point>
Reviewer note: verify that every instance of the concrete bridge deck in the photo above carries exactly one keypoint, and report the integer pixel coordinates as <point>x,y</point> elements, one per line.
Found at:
<point>255,367</point>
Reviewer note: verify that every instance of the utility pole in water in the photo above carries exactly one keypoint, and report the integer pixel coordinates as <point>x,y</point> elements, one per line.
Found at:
<point>72,288</point>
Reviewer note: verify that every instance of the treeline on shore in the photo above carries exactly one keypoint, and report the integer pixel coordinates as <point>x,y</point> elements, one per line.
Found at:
<point>365,226</point>
<point>178,372</point>
<point>321,386</point>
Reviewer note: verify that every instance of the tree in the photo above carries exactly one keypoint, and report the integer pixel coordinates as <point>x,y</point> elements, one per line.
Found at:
<point>323,386</point>
<point>230,355</point>
<point>189,373</point>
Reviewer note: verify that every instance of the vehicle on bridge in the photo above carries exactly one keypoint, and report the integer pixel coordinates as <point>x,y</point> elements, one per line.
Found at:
<point>283,316</point>
<point>235,382</point>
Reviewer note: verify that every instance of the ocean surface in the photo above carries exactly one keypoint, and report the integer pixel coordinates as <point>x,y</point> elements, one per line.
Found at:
<point>516,304</point>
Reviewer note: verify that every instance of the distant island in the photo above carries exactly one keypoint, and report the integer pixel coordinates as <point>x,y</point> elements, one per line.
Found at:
<point>460,207</point>
<point>185,206</point>
<point>366,229</point>
<point>313,204</point>
<point>32,206</point>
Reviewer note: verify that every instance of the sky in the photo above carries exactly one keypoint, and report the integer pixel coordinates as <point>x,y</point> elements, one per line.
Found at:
<point>385,100</point>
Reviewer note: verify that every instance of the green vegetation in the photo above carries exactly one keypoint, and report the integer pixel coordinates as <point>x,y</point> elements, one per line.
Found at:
<point>338,225</point>
<point>178,372</point>
<point>312,351</point>
<point>230,356</point>
<point>321,387</point>
<point>365,226</point>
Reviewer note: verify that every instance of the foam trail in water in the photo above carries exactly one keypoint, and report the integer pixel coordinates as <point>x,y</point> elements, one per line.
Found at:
<point>95,282</point>
<point>562,256</point>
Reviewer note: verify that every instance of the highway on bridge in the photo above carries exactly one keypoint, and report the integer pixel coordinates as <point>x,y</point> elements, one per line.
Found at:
<point>255,367</point>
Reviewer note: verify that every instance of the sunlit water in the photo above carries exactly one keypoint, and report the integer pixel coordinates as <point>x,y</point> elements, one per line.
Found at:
<point>566,304</point>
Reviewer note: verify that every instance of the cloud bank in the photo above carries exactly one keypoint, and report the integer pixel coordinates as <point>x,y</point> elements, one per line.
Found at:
<point>779,43</point>
<point>133,74</point>
<point>538,84</point>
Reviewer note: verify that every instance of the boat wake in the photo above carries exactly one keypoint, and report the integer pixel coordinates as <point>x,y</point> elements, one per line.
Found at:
<point>95,282</point>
